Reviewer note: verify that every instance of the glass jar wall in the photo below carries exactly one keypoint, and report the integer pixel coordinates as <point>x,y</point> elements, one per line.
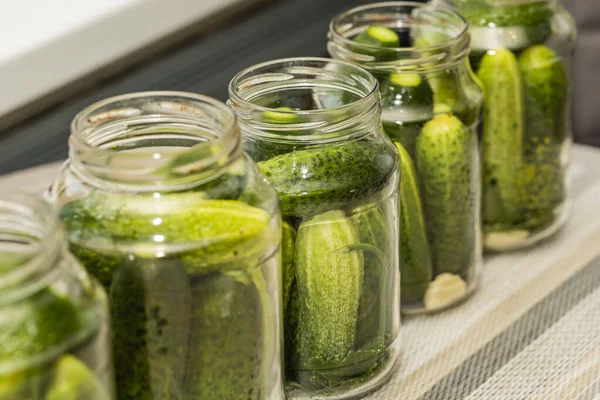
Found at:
<point>431,110</point>
<point>54,331</point>
<point>164,208</point>
<point>522,53</point>
<point>313,126</point>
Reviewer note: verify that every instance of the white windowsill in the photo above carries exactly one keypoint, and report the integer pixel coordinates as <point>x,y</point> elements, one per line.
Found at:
<point>45,45</point>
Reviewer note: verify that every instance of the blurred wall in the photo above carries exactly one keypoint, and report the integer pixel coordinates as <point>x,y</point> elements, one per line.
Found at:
<point>587,70</point>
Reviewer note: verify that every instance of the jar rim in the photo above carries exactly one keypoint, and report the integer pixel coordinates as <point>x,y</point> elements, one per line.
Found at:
<point>404,57</point>
<point>495,3</point>
<point>207,126</point>
<point>298,61</point>
<point>327,122</point>
<point>29,226</point>
<point>85,114</point>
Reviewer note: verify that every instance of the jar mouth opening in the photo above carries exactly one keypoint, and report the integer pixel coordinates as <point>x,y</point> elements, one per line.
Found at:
<point>30,239</point>
<point>428,33</point>
<point>302,95</point>
<point>149,137</point>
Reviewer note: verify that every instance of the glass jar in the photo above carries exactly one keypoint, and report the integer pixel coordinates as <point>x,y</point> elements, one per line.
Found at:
<point>54,330</point>
<point>431,110</point>
<point>522,53</point>
<point>313,126</point>
<point>164,208</point>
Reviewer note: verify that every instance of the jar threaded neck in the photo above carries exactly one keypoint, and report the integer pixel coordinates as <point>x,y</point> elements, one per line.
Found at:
<point>31,240</point>
<point>152,141</point>
<point>438,37</point>
<point>304,99</point>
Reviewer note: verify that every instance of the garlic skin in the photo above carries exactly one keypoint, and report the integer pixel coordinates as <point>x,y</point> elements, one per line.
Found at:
<point>504,240</point>
<point>444,290</point>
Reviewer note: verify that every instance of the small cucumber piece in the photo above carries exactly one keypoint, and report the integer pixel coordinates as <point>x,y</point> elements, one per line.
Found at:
<point>503,126</point>
<point>407,101</point>
<point>446,167</point>
<point>373,310</point>
<point>281,115</point>
<point>415,261</point>
<point>378,42</point>
<point>312,181</point>
<point>330,283</point>
<point>288,239</point>
<point>378,36</point>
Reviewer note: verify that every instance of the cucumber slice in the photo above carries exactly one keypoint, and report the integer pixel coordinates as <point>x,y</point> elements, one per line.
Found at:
<point>378,36</point>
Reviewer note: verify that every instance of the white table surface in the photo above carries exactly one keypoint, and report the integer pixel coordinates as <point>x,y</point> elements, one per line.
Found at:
<point>530,332</point>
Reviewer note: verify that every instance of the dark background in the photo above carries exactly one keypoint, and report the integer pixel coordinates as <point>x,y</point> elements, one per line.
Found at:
<point>272,29</point>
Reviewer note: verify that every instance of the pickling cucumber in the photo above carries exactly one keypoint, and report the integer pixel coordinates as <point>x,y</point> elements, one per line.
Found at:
<point>288,238</point>
<point>503,126</point>
<point>329,280</point>
<point>407,101</point>
<point>547,127</point>
<point>129,319</point>
<point>415,261</point>
<point>227,348</point>
<point>315,180</point>
<point>373,310</point>
<point>546,97</point>
<point>445,167</point>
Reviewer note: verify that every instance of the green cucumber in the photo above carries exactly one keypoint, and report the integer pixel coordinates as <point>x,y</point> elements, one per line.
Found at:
<point>378,36</point>
<point>547,128</point>
<point>227,350</point>
<point>51,321</point>
<point>45,322</point>
<point>182,217</point>
<point>329,281</point>
<point>546,98</point>
<point>542,187</point>
<point>373,310</point>
<point>415,260</point>
<point>168,323</point>
<point>446,167</point>
<point>377,41</point>
<point>503,132</point>
<point>288,239</point>
<point>129,319</point>
<point>312,181</point>
<point>290,331</point>
<point>407,101</point>
<point>260,149</point>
